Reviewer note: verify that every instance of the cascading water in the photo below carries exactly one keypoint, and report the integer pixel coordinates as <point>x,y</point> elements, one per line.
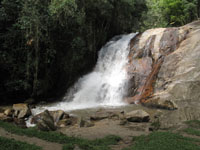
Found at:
<point>106,85</point>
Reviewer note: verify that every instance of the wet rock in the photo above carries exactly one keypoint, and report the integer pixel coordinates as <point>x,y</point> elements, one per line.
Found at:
<point>44,121</point>
<point>21,110</point>
<point>9,112</point>
<point>57,115</point>
<point>138,116</point>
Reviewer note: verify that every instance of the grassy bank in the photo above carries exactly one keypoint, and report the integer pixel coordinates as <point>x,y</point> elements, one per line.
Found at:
<point>155,140</point>
<point>164,141</point>
<point>11,144</point>
<point>69,142</point>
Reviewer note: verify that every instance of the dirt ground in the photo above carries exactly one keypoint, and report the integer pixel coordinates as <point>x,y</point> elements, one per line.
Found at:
<point>31,140</point>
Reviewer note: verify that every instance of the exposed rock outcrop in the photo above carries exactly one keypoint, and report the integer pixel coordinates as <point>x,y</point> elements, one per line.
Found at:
<point>44,121</point>
<point>164,66</point>
<point>50,120</point>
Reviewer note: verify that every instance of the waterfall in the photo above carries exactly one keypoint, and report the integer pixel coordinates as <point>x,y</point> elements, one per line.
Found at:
<point>106,84</point>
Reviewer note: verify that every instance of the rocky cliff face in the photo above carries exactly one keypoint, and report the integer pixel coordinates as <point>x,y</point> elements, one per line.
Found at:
<point>164,67</point>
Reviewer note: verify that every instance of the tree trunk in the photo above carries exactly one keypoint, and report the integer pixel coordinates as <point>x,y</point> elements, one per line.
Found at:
<point>36,63</point>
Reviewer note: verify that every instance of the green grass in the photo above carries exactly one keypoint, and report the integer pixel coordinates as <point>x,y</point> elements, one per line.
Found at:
<point>193,127</point>
<point>164,141</point>
<point>193,124</point>
<point>11,144</point>
<point>156,125</point>
<point>98,144</point>
<point>192,131</point>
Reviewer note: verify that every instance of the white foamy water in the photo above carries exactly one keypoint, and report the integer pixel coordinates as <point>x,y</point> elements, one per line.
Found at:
<point>105,86</point>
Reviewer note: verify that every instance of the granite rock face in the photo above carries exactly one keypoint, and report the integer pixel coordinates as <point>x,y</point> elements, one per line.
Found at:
<point>164,72</point>
<point>164,66</point>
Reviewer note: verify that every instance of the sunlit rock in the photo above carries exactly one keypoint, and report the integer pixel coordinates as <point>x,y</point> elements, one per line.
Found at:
<point>164,66</point>
<point>44,121</point>
<point>21,110</point>
<point>3,117</point>
<point>9,112</point>
<point>137,116</point>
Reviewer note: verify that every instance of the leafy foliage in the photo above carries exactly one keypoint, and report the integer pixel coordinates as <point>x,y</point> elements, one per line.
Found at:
<point>164,13</point>
<point>46,45</point>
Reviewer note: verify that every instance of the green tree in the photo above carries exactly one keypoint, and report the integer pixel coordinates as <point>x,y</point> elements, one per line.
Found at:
<point>163,13</point>
<point>46,45</point>
<point>179,12</point>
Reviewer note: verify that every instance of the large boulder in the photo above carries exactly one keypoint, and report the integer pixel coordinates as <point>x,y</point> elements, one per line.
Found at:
<point>44,121</point>
<point>50,120</point>
<point>164,66</point>
<point>21,110</point>
<point>137,116</point>
<point>164,71</point>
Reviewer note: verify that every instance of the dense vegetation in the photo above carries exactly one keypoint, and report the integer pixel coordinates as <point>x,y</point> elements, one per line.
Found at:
<point>46,45</point>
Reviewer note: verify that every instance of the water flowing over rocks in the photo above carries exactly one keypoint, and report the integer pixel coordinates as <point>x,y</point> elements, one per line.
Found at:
<point>163,72</point>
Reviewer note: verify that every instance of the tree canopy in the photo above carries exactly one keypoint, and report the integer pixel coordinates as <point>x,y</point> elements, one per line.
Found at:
<point>45,45</point>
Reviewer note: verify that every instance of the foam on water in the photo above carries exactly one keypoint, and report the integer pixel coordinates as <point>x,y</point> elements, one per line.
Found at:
<point>105,86</point>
